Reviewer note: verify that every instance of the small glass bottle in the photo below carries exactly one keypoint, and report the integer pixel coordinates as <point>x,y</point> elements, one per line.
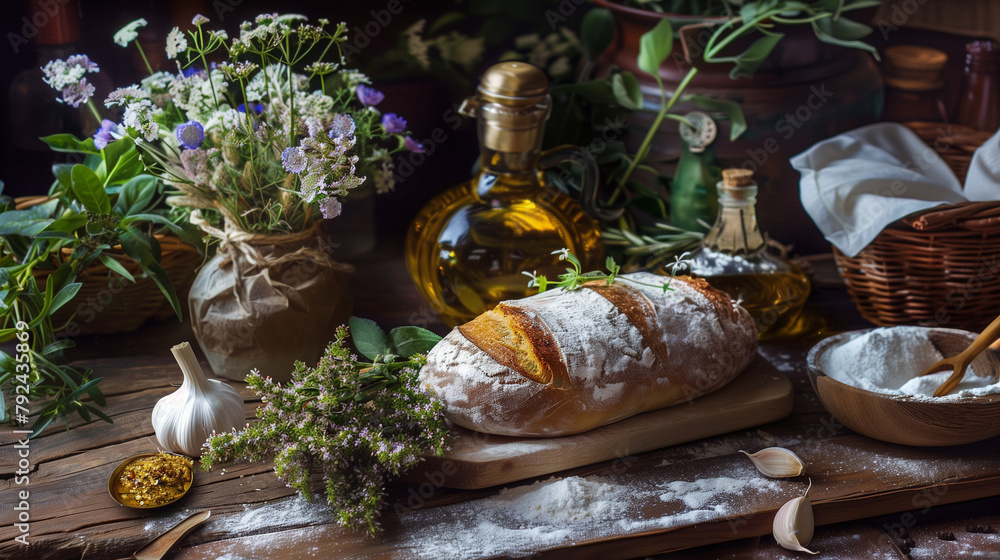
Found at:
<point>979,106</point>
<point>468,248</point>
<point>733,258</point>
<point>693,201</point>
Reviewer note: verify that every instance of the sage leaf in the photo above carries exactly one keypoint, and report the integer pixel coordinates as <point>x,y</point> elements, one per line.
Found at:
<point>368,338</point>
<point>412,340</point>
<point>89,190</point>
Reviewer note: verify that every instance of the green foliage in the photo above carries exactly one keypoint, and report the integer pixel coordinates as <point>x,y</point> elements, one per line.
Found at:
<point>92,208</point>
<point>358,424</point>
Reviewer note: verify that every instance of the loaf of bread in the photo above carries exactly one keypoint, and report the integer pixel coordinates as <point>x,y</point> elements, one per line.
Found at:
<point>563,362</point>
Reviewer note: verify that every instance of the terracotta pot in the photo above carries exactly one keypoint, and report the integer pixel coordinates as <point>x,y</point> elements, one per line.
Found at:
<point>805,92</point>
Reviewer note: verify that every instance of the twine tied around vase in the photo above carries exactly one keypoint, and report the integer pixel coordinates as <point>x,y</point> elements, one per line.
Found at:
<point>234,242</point>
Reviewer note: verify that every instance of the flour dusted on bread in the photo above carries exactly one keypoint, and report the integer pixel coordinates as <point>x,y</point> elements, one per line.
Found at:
<point>563,362</point>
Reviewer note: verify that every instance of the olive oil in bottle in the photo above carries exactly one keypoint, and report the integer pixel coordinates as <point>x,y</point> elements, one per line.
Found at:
<point>733,258</point>
<point>469,247</point>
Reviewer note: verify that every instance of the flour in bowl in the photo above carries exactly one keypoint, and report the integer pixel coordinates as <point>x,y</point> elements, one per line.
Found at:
<point>890,359</point>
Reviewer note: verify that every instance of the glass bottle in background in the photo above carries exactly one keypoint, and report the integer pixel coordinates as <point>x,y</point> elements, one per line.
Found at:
<point>979,105</point>
<point>914,84</point>
<point>734,258</point>
<point>693,201</point>
<point>468,248</point>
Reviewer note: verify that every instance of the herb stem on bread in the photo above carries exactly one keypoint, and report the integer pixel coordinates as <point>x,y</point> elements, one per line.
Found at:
<point>575,277</point>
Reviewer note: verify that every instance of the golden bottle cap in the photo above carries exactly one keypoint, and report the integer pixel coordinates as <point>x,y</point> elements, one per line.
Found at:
<point>513,104</point>
<point>514,84</point>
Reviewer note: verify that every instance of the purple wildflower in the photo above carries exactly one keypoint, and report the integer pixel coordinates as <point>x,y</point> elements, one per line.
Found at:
<point>412,145</point>
<point>78,93</point>
<point>103,136</point>
<point>190,134</point>
<point>342,126</point>
<point>370,97</point>
<point>83,61</point>
<point>258,108</point>
<point>330,207</point>
<point>393,123</point>
<point>294,160</point>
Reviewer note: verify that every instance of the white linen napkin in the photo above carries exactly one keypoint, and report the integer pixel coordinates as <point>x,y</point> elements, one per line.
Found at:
<point>855,184</point>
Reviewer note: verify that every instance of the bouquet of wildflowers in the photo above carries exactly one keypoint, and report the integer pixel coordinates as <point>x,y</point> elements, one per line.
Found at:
<point>262,132</point>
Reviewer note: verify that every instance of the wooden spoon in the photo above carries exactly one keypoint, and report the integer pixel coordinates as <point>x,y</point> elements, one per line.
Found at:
<point>158,547</point>
<point>960,362</point>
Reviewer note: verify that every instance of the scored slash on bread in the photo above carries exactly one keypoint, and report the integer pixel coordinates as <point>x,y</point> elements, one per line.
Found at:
<point>563,362</point>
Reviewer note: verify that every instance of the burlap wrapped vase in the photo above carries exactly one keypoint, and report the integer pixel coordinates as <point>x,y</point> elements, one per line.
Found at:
<point>265,301</point>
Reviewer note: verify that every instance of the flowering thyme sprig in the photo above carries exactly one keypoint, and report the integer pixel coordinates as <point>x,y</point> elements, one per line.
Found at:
<point>575,277</point>
<point>356,423</point>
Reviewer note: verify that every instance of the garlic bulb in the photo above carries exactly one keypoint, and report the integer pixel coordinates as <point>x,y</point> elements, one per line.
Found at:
<point>777,462</point>
<point>794,525</point>
<point>184,419</point>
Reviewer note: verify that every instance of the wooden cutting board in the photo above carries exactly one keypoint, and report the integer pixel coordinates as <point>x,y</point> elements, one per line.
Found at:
<point>758,395</point>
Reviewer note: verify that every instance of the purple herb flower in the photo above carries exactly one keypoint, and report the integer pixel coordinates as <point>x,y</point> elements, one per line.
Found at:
<point>330,207</point>
<point>294,160</point>
<point>103,135</point>
<point>83,61</point>
<point>370,97</point>
<point>393,123</point>
<point>412,145</point>
<point>190,134</point>
<point>342,126</point>
<point>77,93</point>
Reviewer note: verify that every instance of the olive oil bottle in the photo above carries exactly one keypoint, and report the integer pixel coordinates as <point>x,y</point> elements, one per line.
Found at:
<point>733,259</point>
<point>469,247</point>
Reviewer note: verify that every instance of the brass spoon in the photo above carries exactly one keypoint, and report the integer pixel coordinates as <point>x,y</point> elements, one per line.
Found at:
<point>158,547</point>
<point>960,362</point>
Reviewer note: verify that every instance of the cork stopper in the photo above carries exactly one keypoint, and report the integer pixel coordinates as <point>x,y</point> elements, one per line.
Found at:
<point>737,177</point>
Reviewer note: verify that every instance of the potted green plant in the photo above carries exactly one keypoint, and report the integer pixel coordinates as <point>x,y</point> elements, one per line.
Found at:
<point>264,135</point>
<point>103,214</point>
<point>799,71</point>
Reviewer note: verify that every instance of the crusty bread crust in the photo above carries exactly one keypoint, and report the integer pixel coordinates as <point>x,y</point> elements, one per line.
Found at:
<point>563,362</point>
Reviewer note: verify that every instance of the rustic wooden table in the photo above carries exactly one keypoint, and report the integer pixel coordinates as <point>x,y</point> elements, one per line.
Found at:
<point>871,499</point>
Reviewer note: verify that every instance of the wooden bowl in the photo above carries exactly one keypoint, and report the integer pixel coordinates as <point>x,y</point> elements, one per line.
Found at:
<point>902,418</point>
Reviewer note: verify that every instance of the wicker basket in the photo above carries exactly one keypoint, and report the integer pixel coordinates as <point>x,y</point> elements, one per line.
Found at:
<point>937,268</point>
<point>108,303</point>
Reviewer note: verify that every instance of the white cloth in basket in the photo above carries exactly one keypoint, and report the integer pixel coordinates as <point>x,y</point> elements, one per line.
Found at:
<point>855,184</point>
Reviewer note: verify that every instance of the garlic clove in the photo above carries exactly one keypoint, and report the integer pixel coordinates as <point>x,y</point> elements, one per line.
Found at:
<point>794,525</point>
<point>184,419</point>
<point>777,462</point>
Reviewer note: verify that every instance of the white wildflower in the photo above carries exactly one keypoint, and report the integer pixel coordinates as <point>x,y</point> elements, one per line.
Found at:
<point>352,79</point>
<point>384,180</point>
<point>459,49</point>
<point>527,41</point>
<point>560,67</point>
<point>129,33</point>
<point>415,44</point>
<point>176,43</point>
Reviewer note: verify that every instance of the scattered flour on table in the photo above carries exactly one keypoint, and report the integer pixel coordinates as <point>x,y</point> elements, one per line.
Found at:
<point>888,360</point>
<point>557,512</point>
